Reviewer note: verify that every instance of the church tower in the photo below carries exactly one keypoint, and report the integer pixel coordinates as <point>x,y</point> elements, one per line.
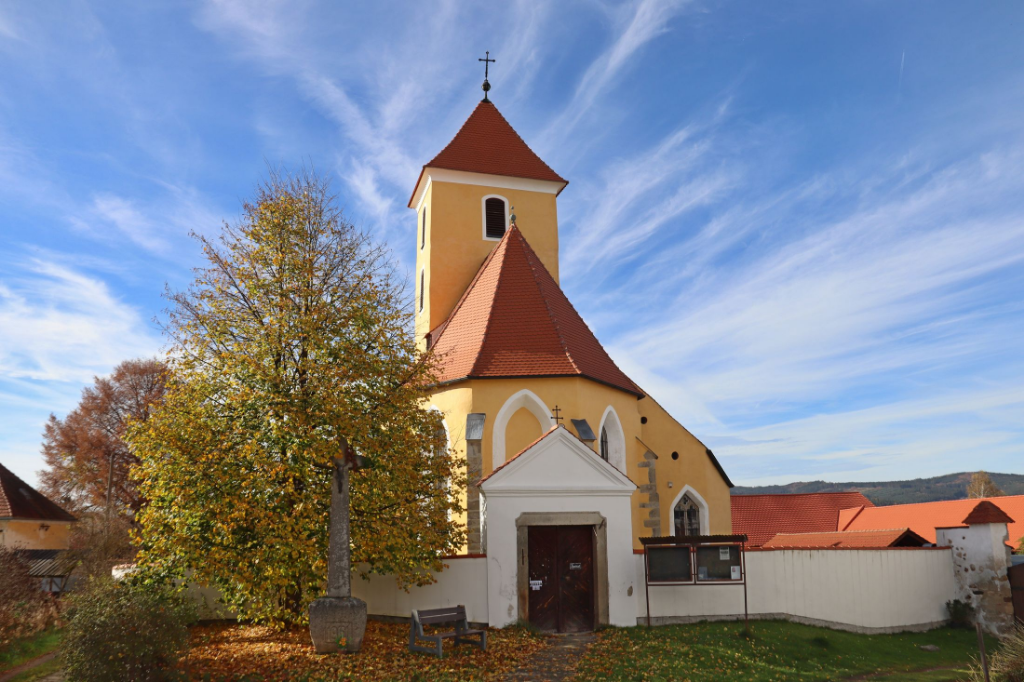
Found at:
<point>464,199</point>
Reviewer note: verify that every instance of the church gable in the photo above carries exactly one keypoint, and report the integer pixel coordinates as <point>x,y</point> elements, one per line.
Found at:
<point>557,463</point>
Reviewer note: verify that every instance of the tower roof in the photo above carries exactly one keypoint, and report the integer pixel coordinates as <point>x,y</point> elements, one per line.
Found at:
<point>486,143</point>
<point>19,500</point>
<point>515,321</point>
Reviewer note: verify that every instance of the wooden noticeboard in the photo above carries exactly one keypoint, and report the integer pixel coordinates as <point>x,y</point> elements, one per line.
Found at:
<point>695,560</point>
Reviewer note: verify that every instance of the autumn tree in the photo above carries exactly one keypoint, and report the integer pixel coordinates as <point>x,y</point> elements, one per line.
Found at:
<point>86,454</point>
<point>294,338</point>
<point>981,485</point>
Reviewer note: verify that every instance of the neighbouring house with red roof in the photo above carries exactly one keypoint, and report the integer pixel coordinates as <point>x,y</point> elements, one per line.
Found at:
<point>761,517</point>
<point>924,517</point>
<point>28,519</point>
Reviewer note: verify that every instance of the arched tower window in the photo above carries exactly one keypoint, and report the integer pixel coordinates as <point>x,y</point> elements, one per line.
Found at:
<point>604,444</point>
<point>422,288</point>
<point>423,229</point>
<point>687,517</point>
<point>494,217</point>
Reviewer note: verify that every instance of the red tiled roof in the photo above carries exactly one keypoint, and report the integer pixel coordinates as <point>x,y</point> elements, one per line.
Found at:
<point>986,512</point>
<point>860,539</point>
<point>19,500</point>
<point>514,321</point>
<point>486,143</point>
<point>923,518</point>
<point>760,517</point>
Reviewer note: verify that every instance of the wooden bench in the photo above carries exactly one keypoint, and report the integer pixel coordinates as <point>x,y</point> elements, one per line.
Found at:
<point>449,614</point>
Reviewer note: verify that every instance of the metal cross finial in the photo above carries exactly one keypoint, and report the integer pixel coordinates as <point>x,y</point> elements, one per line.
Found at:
<point>555,416</point>
<point>487,63</point>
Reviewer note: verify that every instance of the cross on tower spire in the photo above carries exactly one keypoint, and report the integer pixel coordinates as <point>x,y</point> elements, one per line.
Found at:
<point>487,63</point>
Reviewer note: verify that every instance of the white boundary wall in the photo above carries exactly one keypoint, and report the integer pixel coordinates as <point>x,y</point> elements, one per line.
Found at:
<point>862,590</point>
<point>463,582</point>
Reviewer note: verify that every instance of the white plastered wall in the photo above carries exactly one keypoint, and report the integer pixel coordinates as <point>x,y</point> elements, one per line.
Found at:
<point>886,590</point>
<point>463,582</point>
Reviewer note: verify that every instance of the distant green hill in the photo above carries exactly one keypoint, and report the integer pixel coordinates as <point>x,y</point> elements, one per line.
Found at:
<point>949,487</point>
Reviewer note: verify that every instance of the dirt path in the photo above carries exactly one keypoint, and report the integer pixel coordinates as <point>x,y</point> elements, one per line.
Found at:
<point>28,665</point>
<point>557,661</point>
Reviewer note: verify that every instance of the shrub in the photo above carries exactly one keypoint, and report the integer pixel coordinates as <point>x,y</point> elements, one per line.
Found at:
<point>125,631</point>
<point>24,608</point>
<point>961,614</point>
<point>1007,663</point>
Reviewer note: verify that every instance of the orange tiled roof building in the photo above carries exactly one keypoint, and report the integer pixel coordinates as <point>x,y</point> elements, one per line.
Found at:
<point>516,358</point>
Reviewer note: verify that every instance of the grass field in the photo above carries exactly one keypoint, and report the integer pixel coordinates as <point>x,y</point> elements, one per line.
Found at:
<point>23,650</point>
<point>776,651</point>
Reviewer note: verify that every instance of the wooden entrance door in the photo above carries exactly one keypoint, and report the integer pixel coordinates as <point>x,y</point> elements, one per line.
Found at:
<point>1017,590</point>
<point>561,577</point>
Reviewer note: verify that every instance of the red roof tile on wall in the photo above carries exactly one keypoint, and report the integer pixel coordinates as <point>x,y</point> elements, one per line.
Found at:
<point>761,517</point>
<point>514,320</point>
<point>925,517</point>
<point>860,539</point>
<point>19,500</point>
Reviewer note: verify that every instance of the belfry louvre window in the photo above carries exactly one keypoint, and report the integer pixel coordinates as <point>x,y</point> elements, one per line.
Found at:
<point>494,218</point>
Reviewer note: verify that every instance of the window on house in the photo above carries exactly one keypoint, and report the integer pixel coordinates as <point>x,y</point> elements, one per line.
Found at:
<point>422,296</point>
<point>494,218</point>
<point>604,444</point>
<point>423,229</point>
<point>687,517</point>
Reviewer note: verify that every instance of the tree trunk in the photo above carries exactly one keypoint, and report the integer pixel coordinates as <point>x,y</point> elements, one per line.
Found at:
<point>110,487</point>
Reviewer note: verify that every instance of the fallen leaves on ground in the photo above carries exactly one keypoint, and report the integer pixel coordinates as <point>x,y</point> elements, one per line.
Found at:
<point>237,651</point>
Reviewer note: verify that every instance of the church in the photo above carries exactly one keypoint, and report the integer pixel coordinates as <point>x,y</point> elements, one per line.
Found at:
<point>569,462</point>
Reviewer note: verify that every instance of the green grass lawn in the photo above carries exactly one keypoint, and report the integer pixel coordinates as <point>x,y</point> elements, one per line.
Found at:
<point>777,651</point>
<point>26,649</point>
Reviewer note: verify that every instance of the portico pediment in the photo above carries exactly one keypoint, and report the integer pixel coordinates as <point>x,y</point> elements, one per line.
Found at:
<point>558,463</point>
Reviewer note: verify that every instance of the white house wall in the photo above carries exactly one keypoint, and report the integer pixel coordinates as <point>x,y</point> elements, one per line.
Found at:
<point>886,590</point>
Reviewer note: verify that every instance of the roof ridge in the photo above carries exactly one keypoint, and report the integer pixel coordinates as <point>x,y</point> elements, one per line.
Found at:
<point>531,259</point>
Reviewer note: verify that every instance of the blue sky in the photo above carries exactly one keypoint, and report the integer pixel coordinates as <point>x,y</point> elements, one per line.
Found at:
<point>799,225</point>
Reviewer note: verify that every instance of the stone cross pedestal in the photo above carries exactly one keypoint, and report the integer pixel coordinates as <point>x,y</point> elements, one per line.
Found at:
<point>337,622</point>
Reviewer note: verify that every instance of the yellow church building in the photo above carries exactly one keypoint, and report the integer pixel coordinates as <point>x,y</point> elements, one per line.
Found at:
<point>569,461</point>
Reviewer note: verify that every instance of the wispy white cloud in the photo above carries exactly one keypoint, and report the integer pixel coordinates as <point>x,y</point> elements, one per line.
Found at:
<point>634,25</point>
<point>65,326</point>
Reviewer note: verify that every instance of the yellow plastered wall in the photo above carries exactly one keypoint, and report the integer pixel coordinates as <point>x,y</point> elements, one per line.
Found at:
<point>26,534</point>
<point>523,429</point>
<point>579,398</point>
<point>455,403</point>
<point>664,435</point>
<point>455,246</point>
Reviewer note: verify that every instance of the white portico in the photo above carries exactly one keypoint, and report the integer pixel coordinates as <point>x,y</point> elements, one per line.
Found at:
<point>559,543</point>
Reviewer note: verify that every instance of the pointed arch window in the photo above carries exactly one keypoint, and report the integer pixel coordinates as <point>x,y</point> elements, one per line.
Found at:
<point>494,217</point>
<point>687,517</point>
<point>604,444</point>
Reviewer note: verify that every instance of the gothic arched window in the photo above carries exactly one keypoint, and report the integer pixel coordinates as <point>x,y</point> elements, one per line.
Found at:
<point>687,517</point>
<point>494,218</point>
<point>604,444</point>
